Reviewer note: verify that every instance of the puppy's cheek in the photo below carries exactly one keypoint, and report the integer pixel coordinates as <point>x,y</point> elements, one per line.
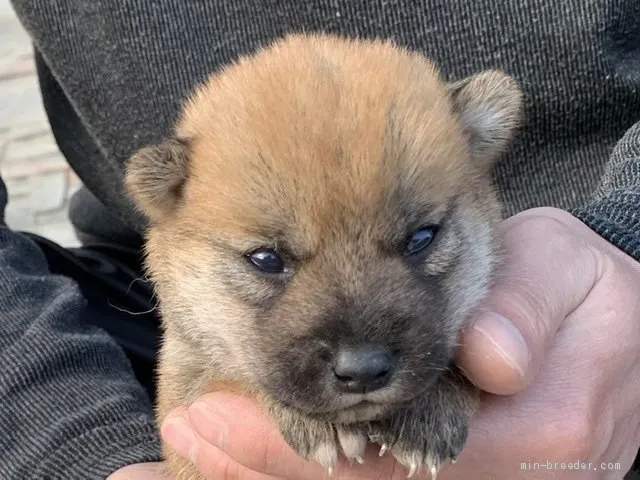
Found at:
<point>467,286</point>
<point>472,275</point>
<point>246,285</point>
<point>201,309</point>
<point>444,256</point>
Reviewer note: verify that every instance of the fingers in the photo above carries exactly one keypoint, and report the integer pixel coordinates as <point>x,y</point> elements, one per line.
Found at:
<point>548,273</point>
<point>256,443</point>
<point>238,426</point>
<point>230,427</point>
<point>138,471</point>
<point>210,460</point>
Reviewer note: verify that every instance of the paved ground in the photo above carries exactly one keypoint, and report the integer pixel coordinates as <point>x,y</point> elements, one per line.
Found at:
<point>38,179</point>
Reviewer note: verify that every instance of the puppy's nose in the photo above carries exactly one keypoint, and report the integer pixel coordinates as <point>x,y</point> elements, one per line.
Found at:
<point>363,369</point>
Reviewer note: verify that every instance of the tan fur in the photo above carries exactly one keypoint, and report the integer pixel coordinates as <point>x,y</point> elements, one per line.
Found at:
<point>316,143</point>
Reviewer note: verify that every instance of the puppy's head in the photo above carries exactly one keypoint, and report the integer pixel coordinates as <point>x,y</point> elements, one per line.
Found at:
<point>322,224</point>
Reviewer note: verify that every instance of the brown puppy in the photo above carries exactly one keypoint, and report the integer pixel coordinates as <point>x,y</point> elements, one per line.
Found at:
<point>321,227</point>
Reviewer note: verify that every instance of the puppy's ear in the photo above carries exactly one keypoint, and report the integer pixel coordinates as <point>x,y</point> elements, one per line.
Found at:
<point>155,176</point>
<point>489,107</point>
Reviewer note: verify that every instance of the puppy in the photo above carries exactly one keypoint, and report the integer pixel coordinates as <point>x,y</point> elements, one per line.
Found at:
<point>322,224</point>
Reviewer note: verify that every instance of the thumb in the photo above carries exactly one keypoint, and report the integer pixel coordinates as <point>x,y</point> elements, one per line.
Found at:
<point>548,272</point>
<point>140,471</point>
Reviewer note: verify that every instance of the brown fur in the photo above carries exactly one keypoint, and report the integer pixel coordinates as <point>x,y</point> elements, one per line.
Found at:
<point>331,151</point>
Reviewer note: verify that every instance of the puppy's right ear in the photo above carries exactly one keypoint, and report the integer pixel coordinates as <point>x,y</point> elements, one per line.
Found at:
<point>155,177</point>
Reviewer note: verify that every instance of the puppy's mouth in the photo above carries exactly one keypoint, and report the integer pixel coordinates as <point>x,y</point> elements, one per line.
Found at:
<point>362,411</point>
<point>352,408</point>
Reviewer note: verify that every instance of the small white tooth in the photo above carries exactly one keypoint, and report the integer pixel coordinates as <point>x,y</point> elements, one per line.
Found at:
<point>413,470</point>
<point>453,460</point>
<point>360,460</point>
<point>383,449</point>
<point>330,469</point>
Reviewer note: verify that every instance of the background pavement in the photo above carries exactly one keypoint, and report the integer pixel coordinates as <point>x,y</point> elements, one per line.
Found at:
<point>38,179</point>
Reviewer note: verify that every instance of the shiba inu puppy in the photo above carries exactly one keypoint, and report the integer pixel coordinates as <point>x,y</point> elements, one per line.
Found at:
<point>321,225</point>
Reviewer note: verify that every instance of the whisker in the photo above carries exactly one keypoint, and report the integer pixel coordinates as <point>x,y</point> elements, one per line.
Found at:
<point>124,310</point>
<point>139,279</point>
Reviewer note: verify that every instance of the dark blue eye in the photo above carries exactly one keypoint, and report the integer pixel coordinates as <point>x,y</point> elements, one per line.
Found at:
<point>266,260</point>
<point>419,240</point>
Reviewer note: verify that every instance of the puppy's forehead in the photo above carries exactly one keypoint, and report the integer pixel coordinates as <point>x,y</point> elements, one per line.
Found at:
<point>303,134</point>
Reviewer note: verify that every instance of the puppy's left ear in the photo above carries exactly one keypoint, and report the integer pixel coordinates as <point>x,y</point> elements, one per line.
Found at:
<point>155,177</point>
<point>489,107</point>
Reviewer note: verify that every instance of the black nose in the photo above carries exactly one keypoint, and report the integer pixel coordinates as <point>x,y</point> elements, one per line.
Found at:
<point>363,369</point>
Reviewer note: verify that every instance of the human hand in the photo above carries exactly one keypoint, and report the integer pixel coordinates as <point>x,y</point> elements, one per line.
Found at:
<point>567,391</point>
<point>575,298</point>
<point>140,471</point>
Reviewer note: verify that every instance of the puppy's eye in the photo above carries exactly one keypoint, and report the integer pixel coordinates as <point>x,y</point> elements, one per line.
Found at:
<point>419,240</point>
<point>266,260</point>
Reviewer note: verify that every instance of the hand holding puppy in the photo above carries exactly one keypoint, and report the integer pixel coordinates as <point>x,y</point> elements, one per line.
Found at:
<point>563,337</point>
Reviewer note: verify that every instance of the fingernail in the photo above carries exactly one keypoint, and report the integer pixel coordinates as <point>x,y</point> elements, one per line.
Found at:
<point>506,339</point>
<point>179,435</point>
<point>206,414</point>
